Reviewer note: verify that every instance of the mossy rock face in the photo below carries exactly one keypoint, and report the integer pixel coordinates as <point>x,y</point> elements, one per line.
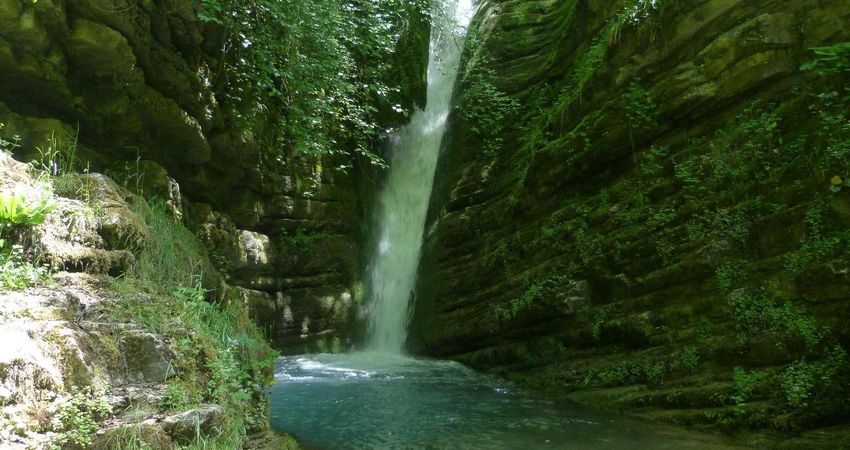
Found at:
<point>656,158</point>
<point>262,307</point>
<point>101,54</point>
<point>146,358</point>
<point>142,83</point>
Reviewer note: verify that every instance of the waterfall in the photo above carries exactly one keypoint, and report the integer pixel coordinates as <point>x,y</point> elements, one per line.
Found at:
<point>403,199</point>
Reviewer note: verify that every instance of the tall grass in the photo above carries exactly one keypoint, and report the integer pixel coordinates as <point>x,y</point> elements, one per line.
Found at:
<point>173,256</point>
<point>221,356</point>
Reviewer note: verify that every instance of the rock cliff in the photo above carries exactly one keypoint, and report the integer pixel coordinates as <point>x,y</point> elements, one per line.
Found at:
<point>134,90</point>
<point>642,205</point>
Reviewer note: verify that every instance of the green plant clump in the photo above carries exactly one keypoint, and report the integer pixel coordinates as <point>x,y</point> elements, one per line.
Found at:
<point>78,418</point>
<point>761,313</point>
<point>486,108</point>
<point>173,256</point>
<point>537,291</point>
<point>17,271</point>
<point>17,209</point>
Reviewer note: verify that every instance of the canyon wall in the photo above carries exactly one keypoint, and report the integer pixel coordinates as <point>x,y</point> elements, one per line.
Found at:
<point>643,205</point>
<point>134,89</point>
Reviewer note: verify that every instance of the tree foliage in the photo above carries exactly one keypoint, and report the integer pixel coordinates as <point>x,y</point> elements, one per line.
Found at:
<point>312,76</point>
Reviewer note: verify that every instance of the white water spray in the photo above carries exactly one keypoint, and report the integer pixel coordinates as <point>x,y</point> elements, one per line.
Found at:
<point>403,201</point>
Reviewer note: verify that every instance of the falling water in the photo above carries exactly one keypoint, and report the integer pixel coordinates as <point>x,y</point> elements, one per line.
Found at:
<point>403,201</point>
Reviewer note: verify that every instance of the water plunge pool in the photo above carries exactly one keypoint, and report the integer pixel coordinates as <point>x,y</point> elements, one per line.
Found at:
<point>381,401</point>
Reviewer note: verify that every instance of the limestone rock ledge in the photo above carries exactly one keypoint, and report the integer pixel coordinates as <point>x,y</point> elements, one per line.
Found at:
<point>76,370</point>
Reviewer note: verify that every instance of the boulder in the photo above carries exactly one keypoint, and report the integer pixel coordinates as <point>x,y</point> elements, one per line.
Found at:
<point>184,427</point>
<point>147,358</point>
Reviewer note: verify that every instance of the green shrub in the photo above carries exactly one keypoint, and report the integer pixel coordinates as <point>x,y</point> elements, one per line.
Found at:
<point>726,275</point>
<point>813,392</point>
<point>817,246</point>
<point>78,418</point>
<point>623,373</point>
<point>318,75</point>
<point>746,383</point>
<point>602,315</point>
<point>655,373</point>
<point>689,360</point>
<point>799,380</point>
<point>761,313</point>
<point>221,356</point>
<point>830,60</point>
<point>588,244</point>
<point>640,109</point>
<point>537,291</point>
<point>485,107</point>
<point>180,396</point>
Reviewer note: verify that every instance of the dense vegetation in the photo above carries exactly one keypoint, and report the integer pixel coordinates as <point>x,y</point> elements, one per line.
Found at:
<point>170,289</point>
<point>317,77</point>
<point>296,81</point>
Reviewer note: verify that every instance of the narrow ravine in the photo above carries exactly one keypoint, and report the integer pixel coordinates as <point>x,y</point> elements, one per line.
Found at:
<point>425,224</point>
<point>382,398</point>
